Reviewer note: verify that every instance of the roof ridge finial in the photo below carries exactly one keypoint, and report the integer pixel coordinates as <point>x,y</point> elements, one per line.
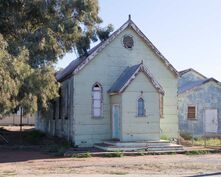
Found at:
<point>129,17</point>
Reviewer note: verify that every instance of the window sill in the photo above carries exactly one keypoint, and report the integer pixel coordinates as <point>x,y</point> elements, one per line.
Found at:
<point>192,119</point>
<point>144,116</point>
<point>99,117</point>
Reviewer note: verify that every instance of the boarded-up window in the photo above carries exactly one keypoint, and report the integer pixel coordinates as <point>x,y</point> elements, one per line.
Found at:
<point>161,106</point>
<point>141,108</point>
<point>96,100</point>
<point>191,114</point>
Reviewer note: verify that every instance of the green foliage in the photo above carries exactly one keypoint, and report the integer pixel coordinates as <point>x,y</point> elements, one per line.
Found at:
<point>164,137</point>
<point>48,29</point>
<point>115,154</point>
<point>22,85</point>
<point>82,155</point>
<point>33,35</point>
<point>103,33</point>
<point>209,142</point>
<point>197,152</point>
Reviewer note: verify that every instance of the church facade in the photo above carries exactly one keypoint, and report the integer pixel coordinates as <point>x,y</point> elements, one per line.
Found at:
<point>124,89</point>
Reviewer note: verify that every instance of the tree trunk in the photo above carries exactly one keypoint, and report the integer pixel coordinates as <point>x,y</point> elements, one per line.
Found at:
<point>21,117</point>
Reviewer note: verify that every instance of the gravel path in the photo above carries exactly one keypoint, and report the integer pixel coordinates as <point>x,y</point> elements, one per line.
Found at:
<point>30,163</point>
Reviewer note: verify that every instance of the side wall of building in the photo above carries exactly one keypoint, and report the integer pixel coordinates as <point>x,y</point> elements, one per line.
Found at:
<point>59,119</point>
<point>205,97</point>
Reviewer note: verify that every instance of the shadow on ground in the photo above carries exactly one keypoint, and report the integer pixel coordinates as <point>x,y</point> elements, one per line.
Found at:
<point>7,156</point>
<point>30,144</point>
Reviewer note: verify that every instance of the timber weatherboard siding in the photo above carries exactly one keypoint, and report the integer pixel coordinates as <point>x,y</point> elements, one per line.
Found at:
<point>85,130</point>
<point>205,96</point>
<point>146,127</point>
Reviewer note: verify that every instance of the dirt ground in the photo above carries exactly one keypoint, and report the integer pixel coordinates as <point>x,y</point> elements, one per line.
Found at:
<point>32,163</point>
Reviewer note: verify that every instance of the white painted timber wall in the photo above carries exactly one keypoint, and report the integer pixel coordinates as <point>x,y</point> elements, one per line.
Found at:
<point>105,69</point>
<point>136,128</point>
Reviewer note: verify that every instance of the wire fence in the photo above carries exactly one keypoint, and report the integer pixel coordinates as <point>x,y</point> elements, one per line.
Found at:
<point>206,139</point>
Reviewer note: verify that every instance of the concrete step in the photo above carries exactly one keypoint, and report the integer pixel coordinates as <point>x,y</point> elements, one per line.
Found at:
<point>137,143</point>
<point>153,148</point>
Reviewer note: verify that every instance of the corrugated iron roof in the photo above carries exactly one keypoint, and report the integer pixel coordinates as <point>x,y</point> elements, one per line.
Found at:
<point>181,73</point>
<point>195,84</point>
<point>129,75</point>
<point>61,75</point>
<point>76,65</point>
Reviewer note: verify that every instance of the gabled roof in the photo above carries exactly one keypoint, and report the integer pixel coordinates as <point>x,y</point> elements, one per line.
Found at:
<point>129,74</point>
<point>181,73</point>
<point>76,65</point>
<point>195,84</point>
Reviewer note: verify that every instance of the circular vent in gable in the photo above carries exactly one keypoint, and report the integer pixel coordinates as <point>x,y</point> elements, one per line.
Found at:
<point>128,41</point>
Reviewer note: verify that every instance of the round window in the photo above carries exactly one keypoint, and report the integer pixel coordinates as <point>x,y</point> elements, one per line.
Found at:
<point>128,42</point>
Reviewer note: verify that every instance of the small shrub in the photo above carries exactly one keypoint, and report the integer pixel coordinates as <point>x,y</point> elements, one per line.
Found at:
<point>82,155</point>
<point>115,154</point>
<point>164,137</point>
<point>197,152</point>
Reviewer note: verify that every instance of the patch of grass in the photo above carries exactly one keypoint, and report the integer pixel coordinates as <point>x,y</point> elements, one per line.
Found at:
<point>82,155</point>
<point>141,152</point>
<point>115,154</point>
<point>209,142</point>
<point>118,173</point>
<point>197,152</point>
<point>164,137</point>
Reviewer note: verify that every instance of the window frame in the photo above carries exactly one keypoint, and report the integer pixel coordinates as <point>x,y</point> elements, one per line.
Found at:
<point>195,113</point>
<point>93,100</point>
<point>144,109</point>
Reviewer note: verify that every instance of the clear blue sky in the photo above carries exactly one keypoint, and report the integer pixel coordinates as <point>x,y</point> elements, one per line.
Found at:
<point>187,32</point>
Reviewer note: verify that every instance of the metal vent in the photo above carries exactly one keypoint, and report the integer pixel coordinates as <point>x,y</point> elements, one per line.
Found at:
<point>128,42</point>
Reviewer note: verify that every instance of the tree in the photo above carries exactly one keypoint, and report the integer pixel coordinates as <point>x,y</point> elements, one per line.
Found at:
<point>21,85</point>
<point>34,35</point>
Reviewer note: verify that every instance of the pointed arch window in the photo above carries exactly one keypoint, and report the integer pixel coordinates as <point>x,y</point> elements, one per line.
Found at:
<point>141,107</point>
<point>96,100</point>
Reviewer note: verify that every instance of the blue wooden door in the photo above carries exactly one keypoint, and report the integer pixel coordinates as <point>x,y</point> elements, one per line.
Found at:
<point>116,121</point>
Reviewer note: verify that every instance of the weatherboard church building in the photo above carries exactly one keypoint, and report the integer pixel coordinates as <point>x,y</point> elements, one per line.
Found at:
<point>124,89</point>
